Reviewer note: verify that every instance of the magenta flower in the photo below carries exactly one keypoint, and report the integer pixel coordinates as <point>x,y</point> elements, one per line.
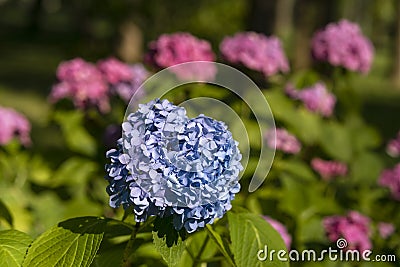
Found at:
<point>328,169</point>
<point>316,98</point>
<point>354,227</point>
<point>177,48</point>
<point>343,44</point>
<point>284,141</point>
<point>82,82</point>
<point>393,147</point>
<point>172,49</point>
<point>391,178</point>
<point>255,51</point>
<point>128,89</point>
<point>14,124</point>
<point>385,229</point>
<point>115,71</point>
<point>281,229</point>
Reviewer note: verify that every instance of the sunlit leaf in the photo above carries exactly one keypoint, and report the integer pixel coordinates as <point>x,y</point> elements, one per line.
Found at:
<point>13,246</point>
<point>73,242</point>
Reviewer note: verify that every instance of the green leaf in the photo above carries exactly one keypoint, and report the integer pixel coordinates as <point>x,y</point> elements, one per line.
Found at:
<point>77,137</point>
<point>366,168</point>
<point>5,213</point>
<point>296,195</point>
<point>67,173</point>
<point>249,234</point>
<point>336,141</point>
<point>200,246</point>
<point>73,242</point>
<point>13,246</point>
<point>222,246</point>
<point>299,169</point>
<point>171,255</point>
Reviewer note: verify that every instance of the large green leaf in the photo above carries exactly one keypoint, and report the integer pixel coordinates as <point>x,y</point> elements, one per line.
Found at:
<point>13,246</point>
<point>171,255</point>
<point>73,242</point>
<point>249,234</point>
<point>5,213</point>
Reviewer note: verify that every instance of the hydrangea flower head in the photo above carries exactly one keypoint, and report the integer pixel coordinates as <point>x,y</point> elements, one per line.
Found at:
<point>343,44</point>
<point>128,88</point>
<point>284,141</point>
<point>83,83</point>
<point>393,147</point>
<point>169,165</point>
<point>391,178</point>
<point>316,98</point>
<point>14,124</point>
<point>328,168</point>
<point>172,49</point>
<point>354,227</point>
<point>115,71</point>
<point>255,51</point>
<point>281,229</point>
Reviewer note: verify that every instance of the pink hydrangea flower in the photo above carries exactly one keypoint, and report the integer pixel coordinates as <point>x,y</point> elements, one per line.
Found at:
<point>283,141</point>
<point>385,229</point>
<point>255,51</point>
<point>115,71</point>
<point>281,229</point>
<point>83,83</point>
<point>128,89</point>
<point>14,124</point>
<point>393,147</point>
<point>391,178</point>
<point>343,44</point>
<point>316,98</point>
<point>328,169</point>
<point>172,49</point>
<point>354,227</point>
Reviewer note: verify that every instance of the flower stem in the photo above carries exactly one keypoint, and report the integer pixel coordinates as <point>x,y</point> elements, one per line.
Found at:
<point>126,262</point>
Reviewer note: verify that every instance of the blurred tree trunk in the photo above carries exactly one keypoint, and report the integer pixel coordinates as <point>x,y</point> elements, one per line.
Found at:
<point>309,16</point>
<point>396,73</point>
<point>284,18</point>
<point>131,44</point>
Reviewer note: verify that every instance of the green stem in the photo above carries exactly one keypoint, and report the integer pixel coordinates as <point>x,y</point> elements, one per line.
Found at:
<point>197,260</point>
<point>126,262</point>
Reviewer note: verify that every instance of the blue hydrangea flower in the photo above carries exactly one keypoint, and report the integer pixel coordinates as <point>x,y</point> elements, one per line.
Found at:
<point>169,165</point>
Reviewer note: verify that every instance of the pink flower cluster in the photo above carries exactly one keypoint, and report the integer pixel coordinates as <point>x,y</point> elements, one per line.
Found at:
<point>281,229</point>
<point>328,169</point>
<point>255,51</point>
<point>393,147</point>
<point>176,48</point>
<point>283,141</point>
<point>172,49</point>
<point>343,44</point>
<point>316,98</point>
<point>391,178</point>
<point>385,229</point>
<point>354,227</point>
<point>14,124</point>
<point>90,85</point>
